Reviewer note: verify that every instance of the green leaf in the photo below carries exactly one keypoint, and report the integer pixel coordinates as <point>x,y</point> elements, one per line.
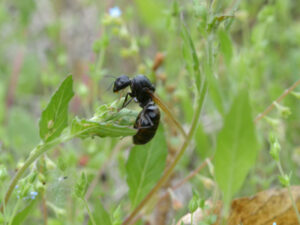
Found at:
<point>108,121</point>
<point>86,128</point>
<point>225,45</point>
<point>202,142</point>
<point>54,118</point>
<point>145,165</point>
<point>100,215</point>
<point>236,147</point>
<point>21,216</point>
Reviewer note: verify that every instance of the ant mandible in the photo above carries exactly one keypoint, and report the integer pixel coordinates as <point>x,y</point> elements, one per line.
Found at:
<point>142,91</point>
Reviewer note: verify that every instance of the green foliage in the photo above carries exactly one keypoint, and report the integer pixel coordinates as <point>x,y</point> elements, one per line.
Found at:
<point>54,118</point>
<point>24,213</point>
<point>219,46</point>
<point>191,58</point>
<point>202,142</point>
<point>3,173</point>
<point>85,128</point>
<point>236,147</point>
<point>21,132</point>
<point>225,45</point>
<point>150,11</point>
<point>145,166</point>
<point>101,215</point>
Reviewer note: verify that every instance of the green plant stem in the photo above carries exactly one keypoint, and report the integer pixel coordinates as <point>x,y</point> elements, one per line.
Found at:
<point>4,211</point>
<point>15,211</point>
<point>169,170</point>
<point>294,203</point>
<point>89,211</point>
<point>35,153</point>
<point>289,191</point>
<point>282,96</point>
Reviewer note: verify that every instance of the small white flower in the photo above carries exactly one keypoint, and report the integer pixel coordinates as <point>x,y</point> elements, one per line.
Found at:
<point>274,223</point>
<point>115,12</point>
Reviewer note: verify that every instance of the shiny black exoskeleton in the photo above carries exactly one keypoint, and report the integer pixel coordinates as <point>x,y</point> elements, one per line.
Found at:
<point>148,119</point>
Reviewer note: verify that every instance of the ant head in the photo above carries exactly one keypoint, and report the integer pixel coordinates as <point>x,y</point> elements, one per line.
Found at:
<point>121,82</point>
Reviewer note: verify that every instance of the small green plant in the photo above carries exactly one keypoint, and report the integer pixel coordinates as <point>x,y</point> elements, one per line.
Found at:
<point>284,178</point>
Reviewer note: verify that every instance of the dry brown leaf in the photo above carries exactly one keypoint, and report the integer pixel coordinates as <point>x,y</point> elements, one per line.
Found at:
<point>264,208</point>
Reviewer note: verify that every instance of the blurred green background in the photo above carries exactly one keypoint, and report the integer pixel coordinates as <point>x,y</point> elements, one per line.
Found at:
<point>43,41</point>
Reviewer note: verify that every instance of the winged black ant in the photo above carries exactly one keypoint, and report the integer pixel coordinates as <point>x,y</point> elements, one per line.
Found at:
<point>142,91</point>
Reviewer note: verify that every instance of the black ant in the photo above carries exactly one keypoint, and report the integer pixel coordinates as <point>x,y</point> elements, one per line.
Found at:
<point>142,91</point>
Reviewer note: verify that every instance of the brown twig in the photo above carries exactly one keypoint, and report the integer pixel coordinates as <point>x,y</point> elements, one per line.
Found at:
<point>186,179</point>
<point>191,175</point>
<point>282,96</point>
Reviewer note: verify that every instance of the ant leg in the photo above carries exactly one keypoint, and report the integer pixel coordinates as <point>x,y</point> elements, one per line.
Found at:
<point>149,120</point>
<point>144,127</point>
<point>125,103</point>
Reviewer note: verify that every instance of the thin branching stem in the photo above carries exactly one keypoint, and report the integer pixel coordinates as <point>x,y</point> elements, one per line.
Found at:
<point>171,168</point>
<point>270,107</point>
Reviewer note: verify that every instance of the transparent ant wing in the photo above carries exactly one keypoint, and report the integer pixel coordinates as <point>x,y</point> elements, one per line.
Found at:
<point>165,108</point>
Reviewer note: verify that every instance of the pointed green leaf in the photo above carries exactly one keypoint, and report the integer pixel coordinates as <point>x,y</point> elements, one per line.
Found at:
<point>54,118</point>
<point>145,165</point>
<point>22,215</point>
<point>100,215</point>
<point>236,147</point>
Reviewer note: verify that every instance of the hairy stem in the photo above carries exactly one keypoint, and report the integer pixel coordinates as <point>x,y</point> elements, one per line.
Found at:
<point>182,150</point>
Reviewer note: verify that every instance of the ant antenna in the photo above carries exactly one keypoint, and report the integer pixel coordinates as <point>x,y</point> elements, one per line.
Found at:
<point>110,76</point>
<point>109,87</point>
<point>111,83</point>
